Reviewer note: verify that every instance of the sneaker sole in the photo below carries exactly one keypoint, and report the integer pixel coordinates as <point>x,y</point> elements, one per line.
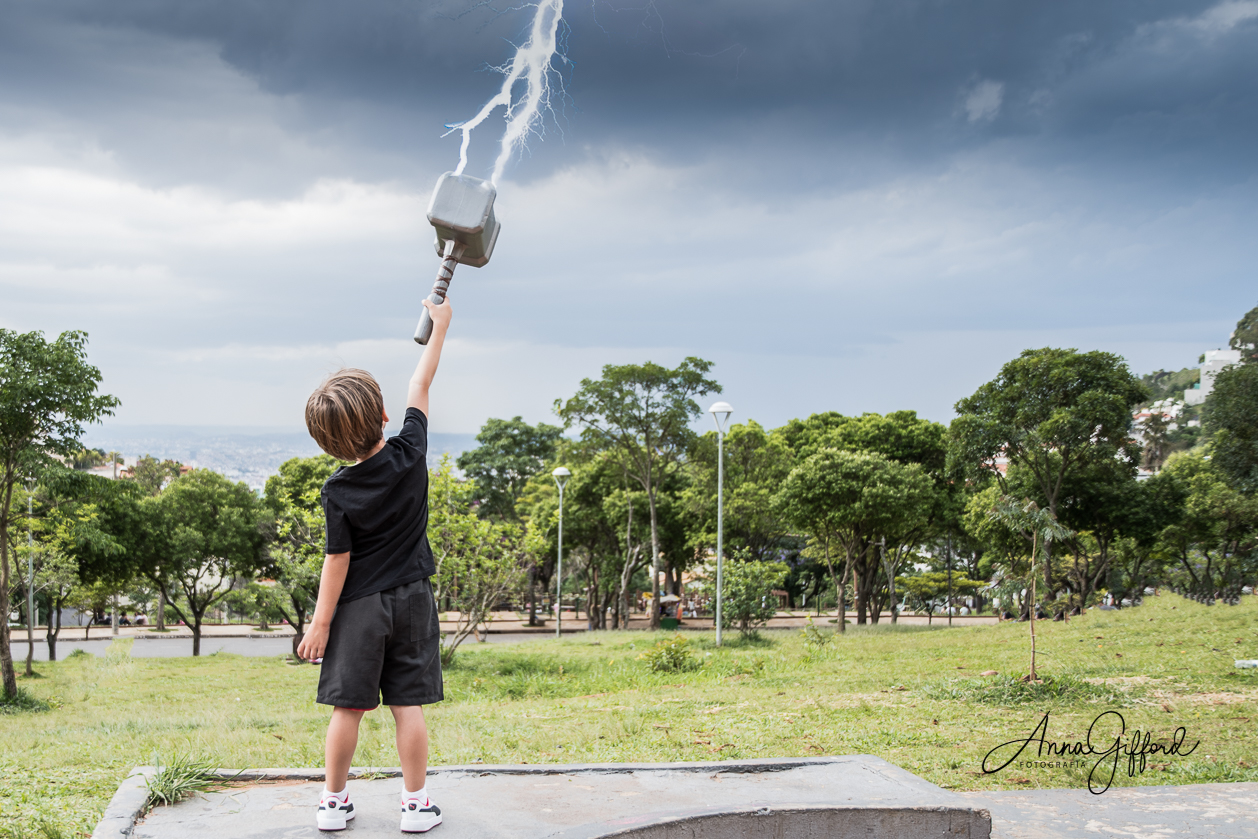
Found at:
<point>422,827</point>
<point>332,824</point>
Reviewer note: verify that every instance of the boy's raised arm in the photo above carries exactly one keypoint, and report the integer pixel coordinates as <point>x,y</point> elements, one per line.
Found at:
<point>417,393</point>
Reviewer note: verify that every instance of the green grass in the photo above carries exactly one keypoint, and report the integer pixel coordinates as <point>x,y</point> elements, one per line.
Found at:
<point>911,695</point>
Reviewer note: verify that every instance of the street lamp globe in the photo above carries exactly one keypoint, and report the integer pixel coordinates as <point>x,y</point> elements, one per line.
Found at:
<point>561,475</point>
<point>720,412</point>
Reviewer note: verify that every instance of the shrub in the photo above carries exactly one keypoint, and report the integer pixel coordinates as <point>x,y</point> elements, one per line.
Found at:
<point>22,702</point>
<point>748,598</point>
<point>670,656</point>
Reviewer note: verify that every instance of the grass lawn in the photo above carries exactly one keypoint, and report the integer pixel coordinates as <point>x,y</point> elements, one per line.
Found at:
<point>911,695</point>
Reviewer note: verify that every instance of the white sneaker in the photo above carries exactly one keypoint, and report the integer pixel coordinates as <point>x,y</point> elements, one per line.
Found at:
<point>417,819</point>
<point>333,812</point>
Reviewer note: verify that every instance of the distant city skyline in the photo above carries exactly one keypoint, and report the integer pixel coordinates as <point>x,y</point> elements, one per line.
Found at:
<point>845,206</point>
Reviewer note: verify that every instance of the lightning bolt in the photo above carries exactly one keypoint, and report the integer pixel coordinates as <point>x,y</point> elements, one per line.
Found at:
<point>533,67</point>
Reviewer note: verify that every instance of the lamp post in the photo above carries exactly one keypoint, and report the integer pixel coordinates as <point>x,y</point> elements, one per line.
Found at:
<point>720,413</point>
<point>561,476</point>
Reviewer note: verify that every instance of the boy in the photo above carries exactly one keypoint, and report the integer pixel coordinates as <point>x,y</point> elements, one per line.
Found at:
<point>375,623</point>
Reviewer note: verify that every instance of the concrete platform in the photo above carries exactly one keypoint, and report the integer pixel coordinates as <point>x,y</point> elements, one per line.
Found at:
<point>808,798</point>
<point>1198,810</point>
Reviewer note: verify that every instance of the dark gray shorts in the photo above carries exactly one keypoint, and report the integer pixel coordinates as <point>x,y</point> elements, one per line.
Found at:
<point>389,644</point>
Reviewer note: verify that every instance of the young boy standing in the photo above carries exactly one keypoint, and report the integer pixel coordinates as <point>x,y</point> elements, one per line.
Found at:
<point>375,623</point>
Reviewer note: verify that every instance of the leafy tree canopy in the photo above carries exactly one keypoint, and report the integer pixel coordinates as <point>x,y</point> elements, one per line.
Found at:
<point>1050,411</point>
<point>1232,416</point>
<point>1245,338</point>
<point>47,394</point>
<point>510,452</point>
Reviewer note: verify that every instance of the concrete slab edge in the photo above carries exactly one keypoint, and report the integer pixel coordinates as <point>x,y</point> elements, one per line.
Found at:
<point>955,822</point>
<point>126,806</point>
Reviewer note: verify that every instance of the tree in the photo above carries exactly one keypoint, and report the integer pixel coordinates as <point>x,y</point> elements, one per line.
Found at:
<point>1042,528</point>
<point>641,415</point>
<point>756,463</point>
<point>206,535</point>
<point>296,556</point>
<point>748,600</point>
<point>1231,414</point>
<point>1245,338</point>
<point>510,452</point>
<point>153,475</point>
<point>47,394</point>
<point>930,589</point>
<point>1215,542</point>
<point>1051,412</point>
<point>845,500</point>
<point>1157,430</point>
<point>479,562</point>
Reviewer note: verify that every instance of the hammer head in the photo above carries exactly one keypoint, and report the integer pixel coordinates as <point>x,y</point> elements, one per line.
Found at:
<point>462,209</point>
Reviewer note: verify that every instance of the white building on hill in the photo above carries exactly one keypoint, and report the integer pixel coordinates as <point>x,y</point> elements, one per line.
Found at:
<point>1214,361</point>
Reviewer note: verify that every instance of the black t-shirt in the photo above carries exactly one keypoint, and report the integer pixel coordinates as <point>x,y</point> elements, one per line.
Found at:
<point>377,511</point>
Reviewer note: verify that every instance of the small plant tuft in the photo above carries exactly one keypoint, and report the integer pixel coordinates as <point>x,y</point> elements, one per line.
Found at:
<point>179,778</point>
<point>79,652</point>
<point>670,655</point>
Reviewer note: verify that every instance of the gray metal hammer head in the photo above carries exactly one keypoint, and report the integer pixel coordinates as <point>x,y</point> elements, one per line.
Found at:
<point>462,209</point>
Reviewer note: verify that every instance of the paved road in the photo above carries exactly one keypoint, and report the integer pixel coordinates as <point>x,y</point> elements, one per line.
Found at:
<point>177,647</point>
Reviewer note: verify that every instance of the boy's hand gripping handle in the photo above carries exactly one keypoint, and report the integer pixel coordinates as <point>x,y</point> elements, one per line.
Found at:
<point>445,273</point>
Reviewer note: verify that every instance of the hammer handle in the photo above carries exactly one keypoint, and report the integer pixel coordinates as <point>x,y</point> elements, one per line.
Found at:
<point>445,273</point>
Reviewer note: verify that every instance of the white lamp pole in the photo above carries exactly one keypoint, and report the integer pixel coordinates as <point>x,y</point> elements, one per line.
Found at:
<point>720,413</point>
<point>561,476</point>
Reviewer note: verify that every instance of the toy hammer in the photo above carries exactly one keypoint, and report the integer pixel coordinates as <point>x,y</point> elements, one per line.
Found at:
<point>462,210</point>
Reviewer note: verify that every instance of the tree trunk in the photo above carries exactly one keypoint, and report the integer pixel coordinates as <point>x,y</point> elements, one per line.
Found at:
<point>655,561</point>
<point>161,610</point>
<point>196,636</point>
<point>30,634</point>
<point>533,595</point>
<point>6,649</point>
<point>51,637</point>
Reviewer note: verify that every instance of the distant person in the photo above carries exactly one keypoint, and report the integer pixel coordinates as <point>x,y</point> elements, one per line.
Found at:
<point>122,620</point>
<point>140,619</point>
<point>375,624</point>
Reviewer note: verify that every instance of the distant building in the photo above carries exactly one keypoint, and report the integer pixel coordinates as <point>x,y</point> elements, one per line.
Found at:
<point>1213,361</point>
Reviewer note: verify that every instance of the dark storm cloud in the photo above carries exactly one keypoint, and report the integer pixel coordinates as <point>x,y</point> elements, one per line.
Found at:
<point>905,76</point>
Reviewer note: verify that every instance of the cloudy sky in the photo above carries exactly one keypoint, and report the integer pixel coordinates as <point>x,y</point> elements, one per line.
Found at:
<point>853,205</point>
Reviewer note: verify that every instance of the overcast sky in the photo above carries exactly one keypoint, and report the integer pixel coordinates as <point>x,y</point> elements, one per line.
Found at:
<point>852,205</point>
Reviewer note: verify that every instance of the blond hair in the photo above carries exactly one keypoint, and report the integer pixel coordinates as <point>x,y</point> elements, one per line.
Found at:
<point>345,414</point>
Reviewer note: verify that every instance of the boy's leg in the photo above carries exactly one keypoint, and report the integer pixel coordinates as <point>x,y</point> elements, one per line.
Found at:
<point>341,743</point>
<point>412,744</point>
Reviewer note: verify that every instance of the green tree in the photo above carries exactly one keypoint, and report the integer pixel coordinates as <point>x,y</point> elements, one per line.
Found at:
<point>510,452</point>
<point>205,536</point>
<point>1215,542</point>
<point>1245,338</point>
<point>479,562</point>
<point>1041,528</point>
<point>748,600</point>
<point>756,463</point>
<point>930,590</point>
<point>641,415</point>
<point>153,475</point>
<point>1050,412</point>
<point>296,556</point>
<point>1231,415</point>
<point>844,501</point>
<point>47,394</point>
